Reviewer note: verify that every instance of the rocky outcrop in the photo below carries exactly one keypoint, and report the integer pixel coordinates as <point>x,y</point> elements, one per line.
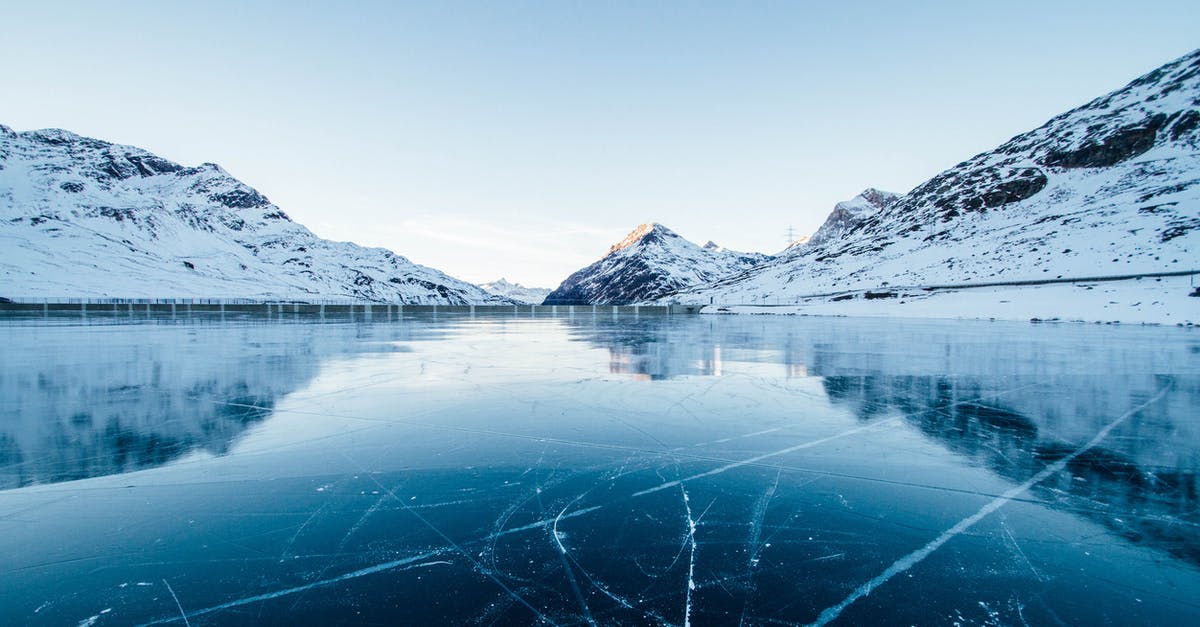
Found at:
<point>1121,144</point>
<point>989,190</point>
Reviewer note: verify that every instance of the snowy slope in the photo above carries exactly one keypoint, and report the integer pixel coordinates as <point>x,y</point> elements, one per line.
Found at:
<point>651,262</point>
<point>516,291</point>
<point>1109,188</point>
<point>81,217</point>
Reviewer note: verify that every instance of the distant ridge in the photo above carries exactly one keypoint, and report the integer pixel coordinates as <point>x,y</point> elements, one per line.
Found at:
<point>516,291</point>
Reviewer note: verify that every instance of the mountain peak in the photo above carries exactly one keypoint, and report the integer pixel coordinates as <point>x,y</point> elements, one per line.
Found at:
<point>846,216</point>
<point>647,233</point>
<point>52,135</point>
<point>870,200</point>
<point>878,197</point>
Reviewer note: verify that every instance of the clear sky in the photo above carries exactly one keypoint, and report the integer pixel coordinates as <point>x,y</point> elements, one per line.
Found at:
<point>521,139</point>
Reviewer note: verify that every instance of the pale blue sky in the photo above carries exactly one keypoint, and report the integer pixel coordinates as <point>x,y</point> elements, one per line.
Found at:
<point>523,138</point>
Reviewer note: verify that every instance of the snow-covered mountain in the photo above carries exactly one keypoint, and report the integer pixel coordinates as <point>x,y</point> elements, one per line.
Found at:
<point>1110,188</point>
<point>81,217</point>
<point>651,262</point>
<point>516,291</point>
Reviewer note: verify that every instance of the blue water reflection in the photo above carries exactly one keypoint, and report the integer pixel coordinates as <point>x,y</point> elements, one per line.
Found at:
<point>597,469</point>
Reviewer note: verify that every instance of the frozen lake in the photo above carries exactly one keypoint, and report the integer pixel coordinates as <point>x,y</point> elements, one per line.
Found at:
<point>597,470</point>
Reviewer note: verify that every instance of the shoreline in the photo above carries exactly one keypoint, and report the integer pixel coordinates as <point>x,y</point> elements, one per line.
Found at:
<point>1159,301</point>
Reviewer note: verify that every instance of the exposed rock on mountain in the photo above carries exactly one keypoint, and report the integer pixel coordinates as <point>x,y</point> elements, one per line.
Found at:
<point>81,217</point>
<point>651,262</point>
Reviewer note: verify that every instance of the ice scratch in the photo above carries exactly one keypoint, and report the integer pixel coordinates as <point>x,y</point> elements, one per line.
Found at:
<point>759,458</point>
<point>562,555</point>
<point>541,523</point>
<point>177,603</point>
<point>760,512</point>
<point>691,582</point>
<point>362,572</point>
<point>623,602</point>
<point>292,542</point>
<point>379,568</point>
<point>362,520</point>
<point>739,437</point>
<point>755,544</point>
<point>912,559</point>
<point>1036,575</point>
<point>487,573</point>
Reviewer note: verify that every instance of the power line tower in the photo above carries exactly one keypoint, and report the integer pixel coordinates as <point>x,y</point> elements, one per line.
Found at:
<point>791,235</point>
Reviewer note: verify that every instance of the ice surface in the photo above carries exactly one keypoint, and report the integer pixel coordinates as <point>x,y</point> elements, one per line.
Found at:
<point>597,470</point>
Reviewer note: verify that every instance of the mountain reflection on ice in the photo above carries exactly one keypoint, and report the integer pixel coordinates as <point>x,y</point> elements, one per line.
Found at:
<point>601,470</point>
<point>127,397</point>
<point>123,397</point>
<point>1140,483</point>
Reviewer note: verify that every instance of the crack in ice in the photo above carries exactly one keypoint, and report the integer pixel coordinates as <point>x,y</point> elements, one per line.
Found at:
<point>487,573</point>
<point>691,581</point>
<point>756,526</point>
<point>177,603</point>
<point>562,555</point>
<point>266,596</point>
<point>758,458</point>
